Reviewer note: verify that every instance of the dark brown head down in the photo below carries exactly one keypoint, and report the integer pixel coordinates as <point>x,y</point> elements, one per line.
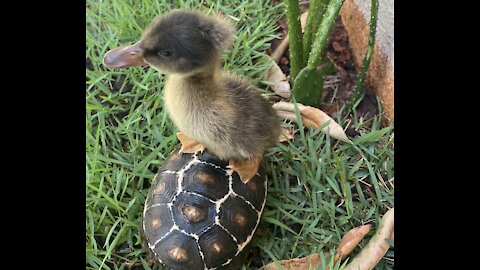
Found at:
<point>184,41</point>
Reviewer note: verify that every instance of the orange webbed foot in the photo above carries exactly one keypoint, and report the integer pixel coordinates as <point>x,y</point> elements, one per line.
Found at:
<point>189,145</point>
<point>246,169</point>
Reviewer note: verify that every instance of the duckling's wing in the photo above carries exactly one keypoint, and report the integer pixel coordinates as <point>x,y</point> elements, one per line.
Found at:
<point>256,122</point>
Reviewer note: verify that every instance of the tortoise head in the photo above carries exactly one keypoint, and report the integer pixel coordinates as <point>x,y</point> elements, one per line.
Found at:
<point>180,41</point>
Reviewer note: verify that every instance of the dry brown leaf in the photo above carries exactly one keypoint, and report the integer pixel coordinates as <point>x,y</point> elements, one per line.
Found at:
<point>350,240</point>
<point>281,85</point>
<point>373,252</point>
<point>280,50</point>
<point>282,47</point>
<point>285,135</point>
<point>311,261</point>
<point>311,118</point>
<point>291,116</point>
<point>303,20</point>
<point>275,75</point>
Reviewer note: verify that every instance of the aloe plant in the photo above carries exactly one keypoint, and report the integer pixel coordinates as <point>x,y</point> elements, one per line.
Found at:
<point>317,8</point>
<point>319,45</point>
<point>308,84</point>
<point>295,37</point>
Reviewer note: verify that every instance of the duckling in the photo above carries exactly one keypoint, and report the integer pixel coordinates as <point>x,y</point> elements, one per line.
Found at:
<point>212,108</point>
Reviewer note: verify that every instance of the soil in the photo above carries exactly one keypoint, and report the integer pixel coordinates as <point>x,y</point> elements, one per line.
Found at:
<point>339,51</point>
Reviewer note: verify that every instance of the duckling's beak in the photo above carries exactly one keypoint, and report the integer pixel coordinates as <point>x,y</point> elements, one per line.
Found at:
<point>123,57</point>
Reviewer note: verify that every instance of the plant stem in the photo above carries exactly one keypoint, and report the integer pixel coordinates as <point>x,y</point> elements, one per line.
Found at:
<point>320,39</point>
<point>295,37</point>
<point>315,15</point>
<point>357,91</point>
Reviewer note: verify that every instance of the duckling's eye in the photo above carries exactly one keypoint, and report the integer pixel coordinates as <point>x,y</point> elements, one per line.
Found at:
<point>165,53</point>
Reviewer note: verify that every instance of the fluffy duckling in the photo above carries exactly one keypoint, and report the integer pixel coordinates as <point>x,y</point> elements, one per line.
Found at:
<point>212,108</point>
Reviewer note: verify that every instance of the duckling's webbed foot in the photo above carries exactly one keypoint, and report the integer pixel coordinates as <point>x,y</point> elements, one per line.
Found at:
<point>189,145</point>
<point>246,169</point>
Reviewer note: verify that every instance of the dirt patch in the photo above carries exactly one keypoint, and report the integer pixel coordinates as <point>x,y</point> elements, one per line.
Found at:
<point>339,87</point>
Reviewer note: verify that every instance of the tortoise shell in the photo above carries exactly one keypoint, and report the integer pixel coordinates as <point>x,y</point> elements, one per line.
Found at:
<point>198,213</point>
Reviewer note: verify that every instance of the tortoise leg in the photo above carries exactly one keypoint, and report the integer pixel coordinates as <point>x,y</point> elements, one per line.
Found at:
<point>246,169</point>
<point>189,145</point>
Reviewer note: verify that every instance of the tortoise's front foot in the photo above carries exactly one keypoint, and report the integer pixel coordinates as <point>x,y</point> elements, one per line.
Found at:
<point>246,169</point>
<point>189,145</point>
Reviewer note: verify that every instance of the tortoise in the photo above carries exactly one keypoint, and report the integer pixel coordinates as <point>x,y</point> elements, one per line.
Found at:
<point>198,214</point>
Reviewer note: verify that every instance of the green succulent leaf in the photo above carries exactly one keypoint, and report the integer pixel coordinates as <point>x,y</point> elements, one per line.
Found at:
<point>308,86</point>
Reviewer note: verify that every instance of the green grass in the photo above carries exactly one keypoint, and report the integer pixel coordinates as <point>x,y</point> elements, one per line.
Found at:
<point>318,188</point>
<point>321,188</point>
